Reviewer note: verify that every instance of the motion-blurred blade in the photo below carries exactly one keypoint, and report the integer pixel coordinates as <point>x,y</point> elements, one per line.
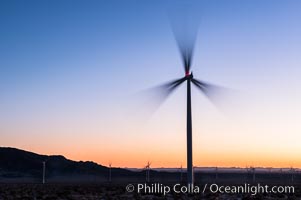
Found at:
<point>154,97</point>
<point>163,91</point>
<point>185,28</point>
<point>172,85</point>
<point>228,101</point>
<point>186,51</point>
<point>186,47</point>
<point>213,92</point>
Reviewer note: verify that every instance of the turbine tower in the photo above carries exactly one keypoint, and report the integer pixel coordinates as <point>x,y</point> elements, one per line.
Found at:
<point>181,173</point>
<point>216,174</point>
<point>253,169</point>
<point>147,169</point>
<point>292,174</point>
<point>44,169</point>
<point>110,172</point>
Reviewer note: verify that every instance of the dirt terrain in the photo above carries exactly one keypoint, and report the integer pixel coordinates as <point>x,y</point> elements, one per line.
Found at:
<point>109,191</point>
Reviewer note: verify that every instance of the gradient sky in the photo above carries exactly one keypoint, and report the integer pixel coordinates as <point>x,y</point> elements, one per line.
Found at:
<point>70,72</point>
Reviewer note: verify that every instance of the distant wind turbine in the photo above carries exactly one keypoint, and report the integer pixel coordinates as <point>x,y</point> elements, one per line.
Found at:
<point>292,173</point>
<point>110,172</point>
<point>216,174</point>
<point>147,169</point>
<point>253,169</point>
<point>281,173</point>
<point>181,173</point>
<point>44,169</point>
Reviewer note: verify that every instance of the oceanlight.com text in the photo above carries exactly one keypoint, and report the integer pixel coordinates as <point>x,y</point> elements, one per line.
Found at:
<point>159,188</point>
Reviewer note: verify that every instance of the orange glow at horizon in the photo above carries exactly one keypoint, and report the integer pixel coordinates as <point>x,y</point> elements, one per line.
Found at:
<point>129,159</point>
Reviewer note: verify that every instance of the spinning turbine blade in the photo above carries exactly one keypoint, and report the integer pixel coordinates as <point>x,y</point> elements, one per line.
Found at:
<point>186,48</point>
<point>185,32</point>
<point>186,54</point>
<point>169,87</point>
<point>157,95</point>
<point>163,91</point>
<point>213,92</point>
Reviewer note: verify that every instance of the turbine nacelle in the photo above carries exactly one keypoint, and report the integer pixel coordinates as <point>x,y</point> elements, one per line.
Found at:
<point>188,75</point>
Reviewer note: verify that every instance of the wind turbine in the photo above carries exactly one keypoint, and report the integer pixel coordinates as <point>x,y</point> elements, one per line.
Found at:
<point>216,174</point>
<point>181,173</point>
<point>110,172</point>
<point>292,174</point>
<point>147,169</point>
<point>281,173</point>
<point>186,47</point>
<point>44,169</point>
<point>253,169</point>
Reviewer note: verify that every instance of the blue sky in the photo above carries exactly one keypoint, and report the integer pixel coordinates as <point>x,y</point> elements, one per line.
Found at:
<point>69,69</point>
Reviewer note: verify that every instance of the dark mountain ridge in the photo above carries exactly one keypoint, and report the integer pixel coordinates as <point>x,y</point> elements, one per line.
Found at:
<point>19,163</point>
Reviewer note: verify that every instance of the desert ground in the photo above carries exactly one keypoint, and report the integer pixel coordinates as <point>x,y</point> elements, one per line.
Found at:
<point>108,191</point>
<point>102,190</point>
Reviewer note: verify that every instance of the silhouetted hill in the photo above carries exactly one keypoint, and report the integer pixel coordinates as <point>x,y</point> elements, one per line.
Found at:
<point>16,163</point>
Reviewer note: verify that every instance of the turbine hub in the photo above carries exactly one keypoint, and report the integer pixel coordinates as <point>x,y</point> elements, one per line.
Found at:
<point>189,75</point>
